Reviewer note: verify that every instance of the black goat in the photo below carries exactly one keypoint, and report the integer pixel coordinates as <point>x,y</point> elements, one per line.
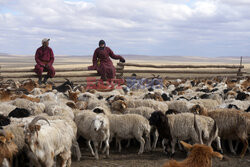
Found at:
<point>65,86</point>
<point>241,96</point>
<point>19,113</point>
<point>160,121</point>
<point>4,120</point>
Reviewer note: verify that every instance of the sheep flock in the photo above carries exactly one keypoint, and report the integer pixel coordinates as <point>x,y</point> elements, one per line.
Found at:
<point>48,125</point>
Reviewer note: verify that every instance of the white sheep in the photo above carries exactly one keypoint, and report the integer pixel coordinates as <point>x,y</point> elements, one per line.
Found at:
<point>181,106</point>
<point>6,108</point>
<point>93,101</point>
<point>130,126</point>
<point>145,112</point>
<point>57,108</point>
<point>156,105</point>
<point>33,107</point>
<point>210,104</point>
<point>94,127</point>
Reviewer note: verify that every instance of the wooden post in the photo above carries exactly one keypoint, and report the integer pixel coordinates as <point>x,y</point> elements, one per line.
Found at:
<point>239,71</point>
<point>120,68</point>
<point>0,75</point>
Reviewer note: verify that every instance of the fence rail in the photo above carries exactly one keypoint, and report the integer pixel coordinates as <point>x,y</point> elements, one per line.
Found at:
<point>233,70</point>
<point>80,74</point>
<point>180,66</point>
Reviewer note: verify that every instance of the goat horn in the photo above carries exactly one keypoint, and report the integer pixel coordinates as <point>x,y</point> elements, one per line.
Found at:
<point>2,132</point>
<point>37,119</point>
<point>197,130</point>
<point>69,87</point>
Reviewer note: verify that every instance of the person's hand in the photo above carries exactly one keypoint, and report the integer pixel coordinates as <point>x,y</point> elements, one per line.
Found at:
<point>46,66</point>
<point>122,60</point>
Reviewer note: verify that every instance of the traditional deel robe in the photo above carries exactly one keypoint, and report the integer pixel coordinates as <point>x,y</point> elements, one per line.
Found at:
<point>44,56</point>
<point>103,64</point>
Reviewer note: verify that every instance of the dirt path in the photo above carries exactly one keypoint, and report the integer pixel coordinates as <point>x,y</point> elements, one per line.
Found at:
<point>129,158</point>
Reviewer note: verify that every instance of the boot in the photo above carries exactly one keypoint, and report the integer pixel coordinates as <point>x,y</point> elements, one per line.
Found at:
<point>39,80</point>
<point>45,79</point>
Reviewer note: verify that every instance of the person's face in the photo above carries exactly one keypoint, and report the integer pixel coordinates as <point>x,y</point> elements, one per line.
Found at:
<point>46,43</point>
<point>102,45</point>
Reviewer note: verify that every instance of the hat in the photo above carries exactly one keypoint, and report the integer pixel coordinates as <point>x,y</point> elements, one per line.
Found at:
<point>45,40</point>
<point>101,42</point>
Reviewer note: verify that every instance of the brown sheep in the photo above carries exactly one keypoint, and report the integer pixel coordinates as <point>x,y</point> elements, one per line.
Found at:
<point>5,95</point>
<point>29,85</point>
<point>118,105</point>
<point>7,147</point>
<point>200,156</point>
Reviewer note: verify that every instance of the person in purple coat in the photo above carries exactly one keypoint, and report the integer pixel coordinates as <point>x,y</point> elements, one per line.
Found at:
<point>102,62</point>
<point>44,59</point>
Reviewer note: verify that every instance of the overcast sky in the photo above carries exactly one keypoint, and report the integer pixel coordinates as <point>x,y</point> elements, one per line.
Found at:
<point>209,28</point>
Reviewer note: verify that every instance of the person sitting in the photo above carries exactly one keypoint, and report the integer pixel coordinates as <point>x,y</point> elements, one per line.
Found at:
<point>44,58</point>
<point>102,62</point>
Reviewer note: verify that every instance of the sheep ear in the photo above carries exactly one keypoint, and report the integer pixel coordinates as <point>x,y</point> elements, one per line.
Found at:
<point>37,127</point>
<point>186,145</point>
<point>218,155</point>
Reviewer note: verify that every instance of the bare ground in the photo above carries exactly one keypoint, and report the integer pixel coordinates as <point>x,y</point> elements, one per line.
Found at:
<point>129,158</point>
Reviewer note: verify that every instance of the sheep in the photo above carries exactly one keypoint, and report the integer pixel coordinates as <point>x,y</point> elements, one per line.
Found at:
<point>33,107</point>
<point>200,156</point>
<point>181,106</point>
<point>210,104</point>
<point>94,127</point>
<point>118,106</point>
<point>28,97</point>
<point>231,123</point>
<point>6,108</point>
<point>156,105</point>
<point>93,101</point>
<point>58,108</point>
<point>145,112</point>
<point>80,105</point>
<point>154,96</point>
<point>130,126</point>
<point>28,84</point>
<point>7,148</point>
<point>98,103</point>
<point>107,94</point>
<point>6,95</point>
<point>181,127</point>
<point>22,150</point>
<point>242,105</point>
<point>50,140</point>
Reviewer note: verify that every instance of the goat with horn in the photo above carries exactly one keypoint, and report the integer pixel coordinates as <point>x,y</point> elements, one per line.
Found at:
<point>46,141</point>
